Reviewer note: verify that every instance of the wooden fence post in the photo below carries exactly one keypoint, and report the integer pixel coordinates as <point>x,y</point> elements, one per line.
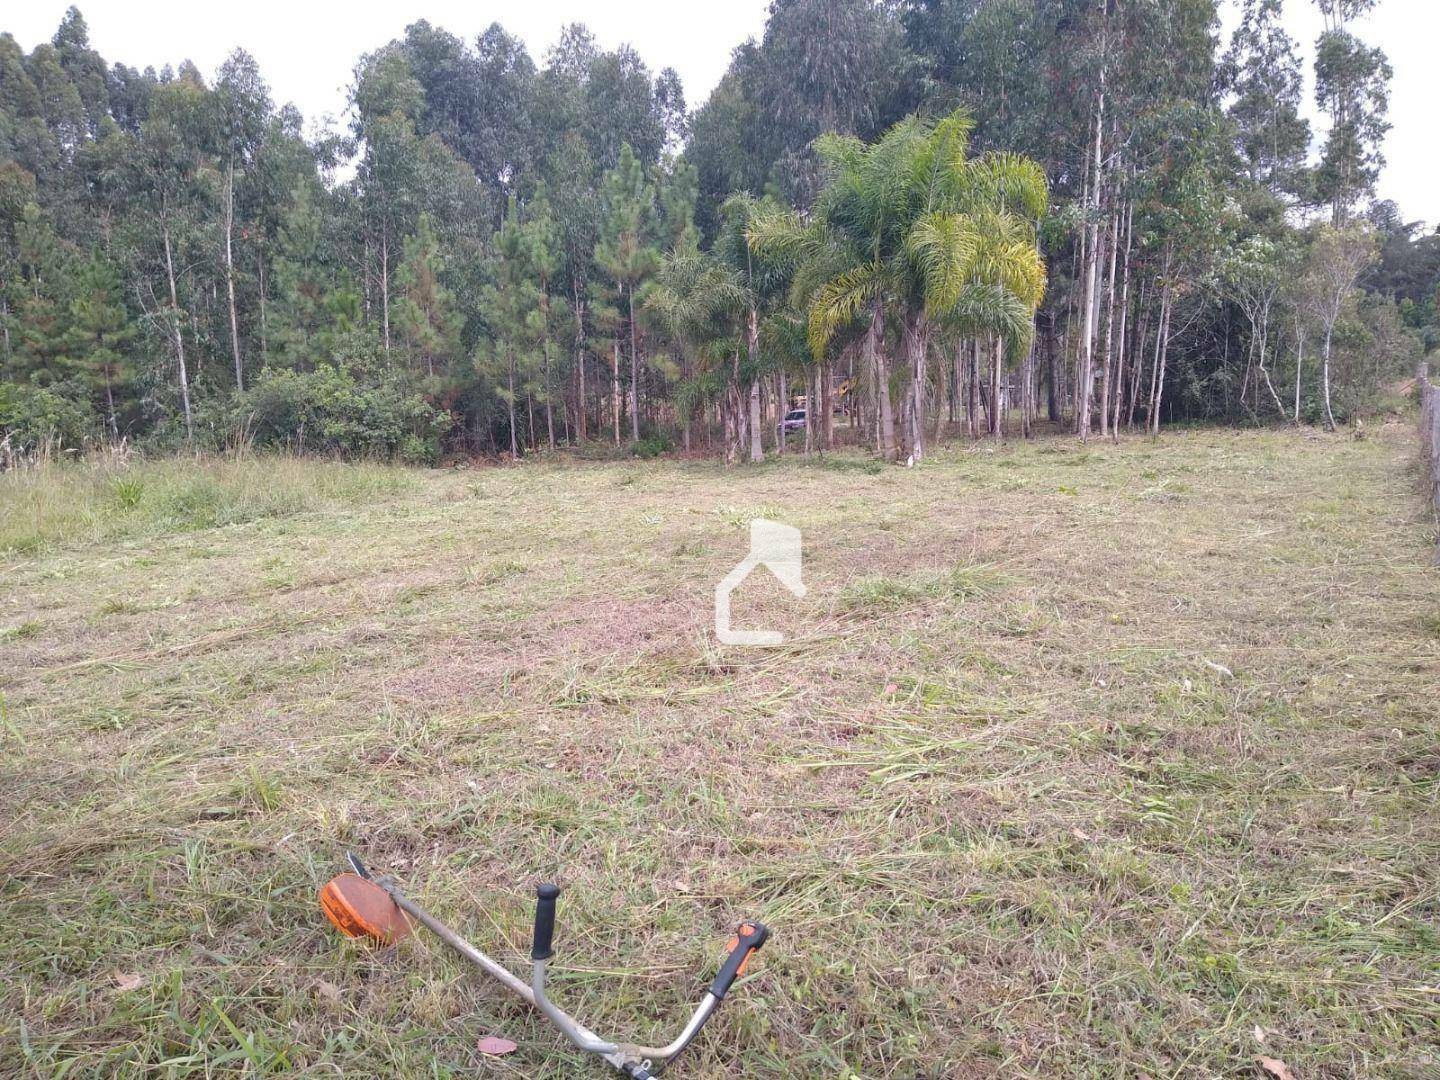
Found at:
<point>1430,437</point>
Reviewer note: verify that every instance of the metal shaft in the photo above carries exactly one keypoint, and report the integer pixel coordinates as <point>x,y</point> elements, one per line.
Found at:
<point>577,1032</point>
<point>458,943</point>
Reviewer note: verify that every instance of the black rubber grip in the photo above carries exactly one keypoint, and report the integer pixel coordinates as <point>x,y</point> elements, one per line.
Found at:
<point>745,944</point>
<point>544,922</point>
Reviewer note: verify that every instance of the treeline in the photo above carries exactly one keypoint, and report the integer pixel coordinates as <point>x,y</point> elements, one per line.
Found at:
<point>912,217</point>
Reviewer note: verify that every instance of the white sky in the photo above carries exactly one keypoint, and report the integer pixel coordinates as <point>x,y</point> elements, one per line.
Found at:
<point>307,48</point>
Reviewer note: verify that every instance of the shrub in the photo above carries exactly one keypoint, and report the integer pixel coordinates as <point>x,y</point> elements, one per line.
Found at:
<point>356,410</point>
<point>652,446</point>
<point>36,418</point>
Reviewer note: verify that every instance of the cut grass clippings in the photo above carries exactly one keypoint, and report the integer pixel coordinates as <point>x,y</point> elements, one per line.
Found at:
<point>1081,763</point>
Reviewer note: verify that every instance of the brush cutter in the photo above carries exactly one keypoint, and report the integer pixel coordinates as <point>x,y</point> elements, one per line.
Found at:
<point>363,905</point>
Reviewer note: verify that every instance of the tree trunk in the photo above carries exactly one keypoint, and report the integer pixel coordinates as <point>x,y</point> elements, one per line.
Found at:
<point>1142,334</point>
<point>5,332</point>
<point>264,329</point>
<point>941,384</point>
<point>1092,280</point>
<point>230,276</point>
<point>1118,391</point>
<point>874,346</point>
<point>827,408</point>
<point>996,399</point>
<point>1264,371</point>
<point>1052,376</point>
<point>784,408</point>
<point>176,330</point>
<point>615,390</point>
<point>958,397</point>
<point>1109,327</point>
<point>510,403</point>
<point>915,349</point>
<point>581,423</point>
<point>752,350</point>
<point>1325,377</point>
<point>1299,367</point>
<point>549,409</point>
<point>634,371</point>
<point>545,346</point>
<point>385,284</point>
<point>809,411</point>
<point>973,384</point>
<point>1027,387</point>
<point>110,407</point>
<point>1162,351</point>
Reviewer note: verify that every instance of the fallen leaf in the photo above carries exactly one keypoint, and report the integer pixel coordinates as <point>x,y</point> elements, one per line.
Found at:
<point>495,1046</point>
<point>1276,1068</point>
<point>1259,1034</point>
<point>128,982</point>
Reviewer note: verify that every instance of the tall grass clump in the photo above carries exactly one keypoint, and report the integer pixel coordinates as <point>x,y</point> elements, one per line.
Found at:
<point>58,503</point>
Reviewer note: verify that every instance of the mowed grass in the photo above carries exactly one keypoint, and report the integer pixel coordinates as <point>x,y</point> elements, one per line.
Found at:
<point>1106,762</point>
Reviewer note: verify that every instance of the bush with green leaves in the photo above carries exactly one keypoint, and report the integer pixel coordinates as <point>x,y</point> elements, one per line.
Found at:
<point>38,419</point>
<point>355,408</point>
<point>652,446</point>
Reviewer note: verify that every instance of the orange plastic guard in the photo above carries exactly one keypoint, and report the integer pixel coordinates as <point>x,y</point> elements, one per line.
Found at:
<point>360,908</point>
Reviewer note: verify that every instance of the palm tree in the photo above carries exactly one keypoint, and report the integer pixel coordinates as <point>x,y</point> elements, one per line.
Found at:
<point>763,282</point>
<point>693,297</point>
<point>911,227</point>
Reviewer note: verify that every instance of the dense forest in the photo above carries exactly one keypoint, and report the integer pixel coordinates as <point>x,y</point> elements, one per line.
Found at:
<point>932,219</point>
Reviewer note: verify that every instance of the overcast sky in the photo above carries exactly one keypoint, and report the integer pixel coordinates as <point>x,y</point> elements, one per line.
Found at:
<point>307,48</point>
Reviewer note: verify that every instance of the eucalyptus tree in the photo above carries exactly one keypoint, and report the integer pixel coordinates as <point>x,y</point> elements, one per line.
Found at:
<point>1337,257</point>
<point>575,209</point>
<point>169,213</point>
<point>1253,275</point>
<point>387,101</point>
<point>1271,135</point>
<point>821,66</point>
<point>242,106</point>
<point>1352,86</point>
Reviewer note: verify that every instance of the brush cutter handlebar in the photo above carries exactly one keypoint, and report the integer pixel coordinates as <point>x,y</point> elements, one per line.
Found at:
<point>749,938</point>
<point>545,897</point>
<point>636,1061</point>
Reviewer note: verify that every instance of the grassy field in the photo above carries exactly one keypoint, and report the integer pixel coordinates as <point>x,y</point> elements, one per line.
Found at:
<point>1115,762</point>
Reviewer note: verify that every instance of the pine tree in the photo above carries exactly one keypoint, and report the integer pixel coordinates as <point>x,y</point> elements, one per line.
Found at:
<point>626,254</point>
<point>101,332</point>
<point>425,311</point>
<point>507,358</point>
